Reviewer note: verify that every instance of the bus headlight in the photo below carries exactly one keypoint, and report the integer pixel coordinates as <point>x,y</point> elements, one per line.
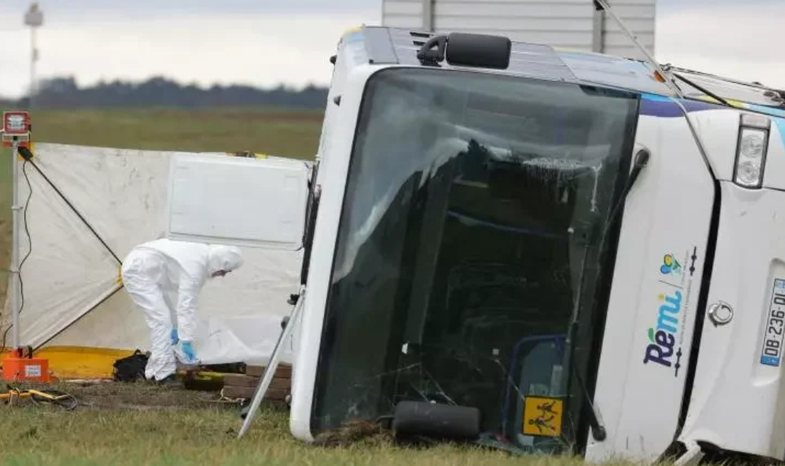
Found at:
<point>751,151</point>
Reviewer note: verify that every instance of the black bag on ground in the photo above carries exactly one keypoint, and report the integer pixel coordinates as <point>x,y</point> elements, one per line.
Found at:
<point>131,368</point>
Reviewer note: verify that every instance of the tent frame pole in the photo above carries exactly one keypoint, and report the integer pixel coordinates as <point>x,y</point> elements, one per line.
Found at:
<point>272,365</point>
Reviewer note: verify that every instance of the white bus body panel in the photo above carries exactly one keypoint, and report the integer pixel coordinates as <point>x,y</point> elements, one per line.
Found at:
<point>640,383</point>
<point>352,71</point>
<point>774,177</point>
<point>737,402</point>
<point>719,133</point>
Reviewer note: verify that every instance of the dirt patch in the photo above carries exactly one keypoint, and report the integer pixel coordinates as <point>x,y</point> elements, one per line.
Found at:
<point>141,396</point>
<point>138,396</point>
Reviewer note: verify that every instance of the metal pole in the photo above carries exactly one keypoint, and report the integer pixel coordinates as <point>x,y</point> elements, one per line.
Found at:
<point>603,4</point>
<point>15,289</point>
<point>33,58</point>
<point>33,18</point>
<point>427,15</point>
<point>598,34</point>
<point>272,365</point>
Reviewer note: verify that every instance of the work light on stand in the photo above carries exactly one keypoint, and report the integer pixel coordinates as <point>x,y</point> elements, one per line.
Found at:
<point>19,365</point>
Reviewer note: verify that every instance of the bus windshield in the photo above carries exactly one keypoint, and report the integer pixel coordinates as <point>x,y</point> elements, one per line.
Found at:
<point>469,250</point>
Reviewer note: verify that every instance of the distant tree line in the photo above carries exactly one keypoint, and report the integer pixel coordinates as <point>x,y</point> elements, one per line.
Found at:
<point>162,92</point>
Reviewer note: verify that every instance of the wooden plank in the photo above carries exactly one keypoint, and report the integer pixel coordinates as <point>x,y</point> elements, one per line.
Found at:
<point>258,371</point>
<point>254,371</point>
<point>248,392</point>
<point>239,380</point>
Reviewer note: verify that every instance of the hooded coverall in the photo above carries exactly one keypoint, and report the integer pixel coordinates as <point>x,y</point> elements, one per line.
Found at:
<point>164,279</point>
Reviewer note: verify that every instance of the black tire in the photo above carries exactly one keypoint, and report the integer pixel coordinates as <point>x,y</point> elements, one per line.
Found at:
<point>414,419</point>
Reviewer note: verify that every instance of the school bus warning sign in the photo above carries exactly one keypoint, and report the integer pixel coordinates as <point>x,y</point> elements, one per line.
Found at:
<point>542,416</point>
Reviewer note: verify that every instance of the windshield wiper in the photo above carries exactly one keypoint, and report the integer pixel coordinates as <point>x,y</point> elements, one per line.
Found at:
<point>714,96</point>
<point>597,429</point>
<point>641,160</point>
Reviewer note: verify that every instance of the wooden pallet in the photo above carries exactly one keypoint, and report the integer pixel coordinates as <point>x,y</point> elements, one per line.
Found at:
<point>244,385</point>
<point>284,371</point>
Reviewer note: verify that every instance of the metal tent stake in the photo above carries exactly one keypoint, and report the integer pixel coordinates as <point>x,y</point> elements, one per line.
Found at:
<point>272,366</point>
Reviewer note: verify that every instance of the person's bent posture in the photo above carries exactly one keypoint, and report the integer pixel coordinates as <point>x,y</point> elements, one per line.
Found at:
<point>164,279</point>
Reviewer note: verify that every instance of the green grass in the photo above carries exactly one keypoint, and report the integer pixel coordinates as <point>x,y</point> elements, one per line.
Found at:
<point>205,436</point>
<point>291,133</point>
<point>141,424</point>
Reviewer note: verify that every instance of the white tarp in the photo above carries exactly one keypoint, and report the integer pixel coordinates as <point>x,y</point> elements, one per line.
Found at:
<point>122,194</point>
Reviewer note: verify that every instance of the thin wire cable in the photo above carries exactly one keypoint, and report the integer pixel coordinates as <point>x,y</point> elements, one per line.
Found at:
<point>29,251</point>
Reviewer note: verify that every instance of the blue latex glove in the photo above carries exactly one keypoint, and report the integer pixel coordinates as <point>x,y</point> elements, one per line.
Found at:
<point>174,336</point>
<point>188,351</point>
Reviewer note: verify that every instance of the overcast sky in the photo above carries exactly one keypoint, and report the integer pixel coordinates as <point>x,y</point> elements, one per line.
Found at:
<point>267,42</point>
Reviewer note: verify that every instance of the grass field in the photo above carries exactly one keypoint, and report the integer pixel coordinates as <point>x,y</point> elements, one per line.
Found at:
<point>291,133</point>
<point>139,424</point>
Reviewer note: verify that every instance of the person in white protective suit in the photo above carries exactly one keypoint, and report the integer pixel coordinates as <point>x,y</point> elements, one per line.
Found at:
<point>164,279</point>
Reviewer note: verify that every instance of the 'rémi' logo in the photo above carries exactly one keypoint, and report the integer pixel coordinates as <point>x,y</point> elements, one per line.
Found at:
<point>662,338</point>
<point>670,266</point>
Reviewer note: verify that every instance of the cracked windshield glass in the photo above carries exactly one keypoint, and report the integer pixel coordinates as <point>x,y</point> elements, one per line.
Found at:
<point>470,266</point>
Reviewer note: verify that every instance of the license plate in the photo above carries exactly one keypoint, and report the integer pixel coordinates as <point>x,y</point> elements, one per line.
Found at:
<point>771,354</point>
